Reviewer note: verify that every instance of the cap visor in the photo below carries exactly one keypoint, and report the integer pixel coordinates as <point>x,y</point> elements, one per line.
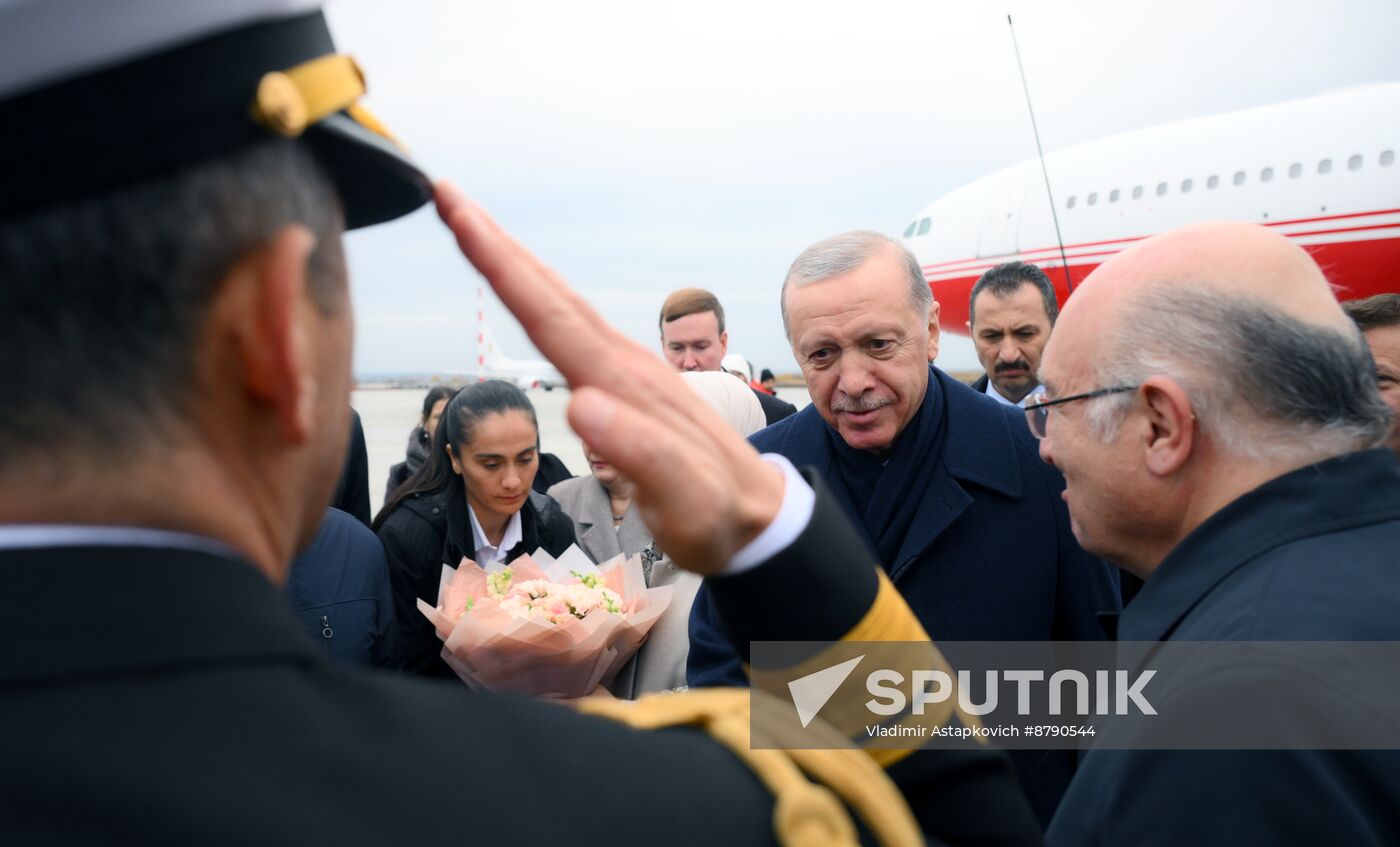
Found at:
<point>376,180</point>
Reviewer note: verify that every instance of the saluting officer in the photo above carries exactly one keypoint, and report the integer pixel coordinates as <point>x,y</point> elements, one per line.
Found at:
<point>175,328</point>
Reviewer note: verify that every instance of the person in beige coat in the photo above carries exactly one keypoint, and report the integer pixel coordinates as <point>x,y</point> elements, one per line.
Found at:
<point>607,524</point>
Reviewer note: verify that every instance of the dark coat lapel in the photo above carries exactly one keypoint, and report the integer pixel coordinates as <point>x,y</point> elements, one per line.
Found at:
<point>978,447</point>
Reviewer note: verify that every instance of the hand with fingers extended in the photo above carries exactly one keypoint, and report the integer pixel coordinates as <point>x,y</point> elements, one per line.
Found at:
<point>702,490</point>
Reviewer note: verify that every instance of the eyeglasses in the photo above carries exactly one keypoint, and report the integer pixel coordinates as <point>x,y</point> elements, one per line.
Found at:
<point>1037,415</point>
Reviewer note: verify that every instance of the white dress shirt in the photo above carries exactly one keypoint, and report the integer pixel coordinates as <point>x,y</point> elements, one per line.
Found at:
<point>485,552</point>
<point>993,393</point>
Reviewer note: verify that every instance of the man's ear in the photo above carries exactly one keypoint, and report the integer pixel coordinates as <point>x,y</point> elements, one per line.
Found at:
<point>264,300</point>
<point>934,331</point>
<point>724,341</point>
<point>1171,425</point>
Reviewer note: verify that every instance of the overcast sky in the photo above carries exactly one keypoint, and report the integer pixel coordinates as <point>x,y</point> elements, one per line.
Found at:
<point>639,147</point>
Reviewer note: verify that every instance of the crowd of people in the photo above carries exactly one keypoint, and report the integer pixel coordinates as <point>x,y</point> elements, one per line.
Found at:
<point>186,621</point>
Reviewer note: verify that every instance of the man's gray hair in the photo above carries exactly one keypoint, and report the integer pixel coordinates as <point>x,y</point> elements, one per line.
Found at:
<point>1263,384</point>
<point>843,253</point>
<point>104,298</point>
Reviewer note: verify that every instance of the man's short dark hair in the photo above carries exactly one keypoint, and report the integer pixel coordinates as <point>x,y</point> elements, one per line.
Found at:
<point>102,300</point>
<point>691,301</point>
<point>1374,312</point>
<point>1005,279</point>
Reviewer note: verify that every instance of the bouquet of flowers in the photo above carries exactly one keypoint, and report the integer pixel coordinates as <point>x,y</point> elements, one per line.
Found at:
<point>542,626</point>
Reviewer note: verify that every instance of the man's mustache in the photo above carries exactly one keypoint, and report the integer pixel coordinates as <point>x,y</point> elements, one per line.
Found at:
<point>1018,365</point>
<point>863,403</point>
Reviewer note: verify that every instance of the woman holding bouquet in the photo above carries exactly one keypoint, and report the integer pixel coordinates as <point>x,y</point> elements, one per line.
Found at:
<point>607,524</point>
<point>472,498</point>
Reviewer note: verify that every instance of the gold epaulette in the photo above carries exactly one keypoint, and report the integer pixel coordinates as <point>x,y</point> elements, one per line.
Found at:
<point>806,812</point>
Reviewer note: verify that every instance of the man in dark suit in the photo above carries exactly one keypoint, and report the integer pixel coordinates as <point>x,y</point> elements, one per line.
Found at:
<point>1011,312</point>
<point>154,687</point>
<point>943,484</point>
<point>693,338</point>
<point>1255,504</point>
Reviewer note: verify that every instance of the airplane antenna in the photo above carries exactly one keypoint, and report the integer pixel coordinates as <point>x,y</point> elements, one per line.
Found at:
<point>1064,260</point>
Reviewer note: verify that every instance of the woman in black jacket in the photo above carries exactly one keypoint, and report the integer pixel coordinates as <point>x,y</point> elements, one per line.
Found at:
<point>472,499</point>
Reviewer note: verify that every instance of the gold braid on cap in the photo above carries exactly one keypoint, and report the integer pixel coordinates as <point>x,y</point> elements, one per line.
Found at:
<point>287,102</point>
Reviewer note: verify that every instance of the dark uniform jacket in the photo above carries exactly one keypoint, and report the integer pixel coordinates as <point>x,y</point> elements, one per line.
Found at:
<point>427,531</point>
<point>167,697</point>
<point>988,554</point>
<point>339,590</point>
<point>1311,556</point>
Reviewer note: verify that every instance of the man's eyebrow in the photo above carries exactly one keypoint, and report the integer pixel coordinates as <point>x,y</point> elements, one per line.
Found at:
<point>876,332</point>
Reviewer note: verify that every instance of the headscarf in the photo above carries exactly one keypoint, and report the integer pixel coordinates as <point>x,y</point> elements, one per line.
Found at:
<point>729,396</point>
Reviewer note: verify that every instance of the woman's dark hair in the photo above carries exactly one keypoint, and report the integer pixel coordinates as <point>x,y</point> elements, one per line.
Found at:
<point>436,393</point>
<point>456,427</point>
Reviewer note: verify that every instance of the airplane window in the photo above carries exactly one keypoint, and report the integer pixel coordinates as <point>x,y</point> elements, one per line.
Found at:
<point>910,231</point>
<point>1137,192</point>
<point>1212,181</point>
<point>1186,185</point>
<point>1387,157</point>
<point>1325,166</point>
<point>1069,204</point>
<point>1354,163</point>
<point>1161,188</point>
<point>1295,170</point>
<point>1113,196</point>
<point>1239,178</point>
<point>924,225</point>
<point>1266,174</point>
<point>1093,197</point>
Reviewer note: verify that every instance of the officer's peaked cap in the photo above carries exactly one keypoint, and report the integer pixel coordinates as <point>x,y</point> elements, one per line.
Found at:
<point>96,95</point>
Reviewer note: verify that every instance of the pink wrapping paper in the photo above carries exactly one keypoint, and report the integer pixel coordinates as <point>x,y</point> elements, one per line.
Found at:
<point>490,649</point>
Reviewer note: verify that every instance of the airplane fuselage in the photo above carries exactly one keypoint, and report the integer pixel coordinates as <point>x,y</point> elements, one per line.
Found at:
<point>1321,170</point>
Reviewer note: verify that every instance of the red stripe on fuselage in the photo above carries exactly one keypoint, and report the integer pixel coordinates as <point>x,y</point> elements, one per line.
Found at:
<point>1023,254</point>
<point>1356,269</point>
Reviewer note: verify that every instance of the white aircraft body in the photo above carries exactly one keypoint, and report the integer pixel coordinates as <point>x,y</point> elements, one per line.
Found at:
<point>1321,170</point>
<point>492,363</point>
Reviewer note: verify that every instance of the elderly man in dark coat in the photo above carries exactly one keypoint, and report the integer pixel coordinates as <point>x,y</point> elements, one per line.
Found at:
<point>943,483</point>
<point>1248,501</point>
